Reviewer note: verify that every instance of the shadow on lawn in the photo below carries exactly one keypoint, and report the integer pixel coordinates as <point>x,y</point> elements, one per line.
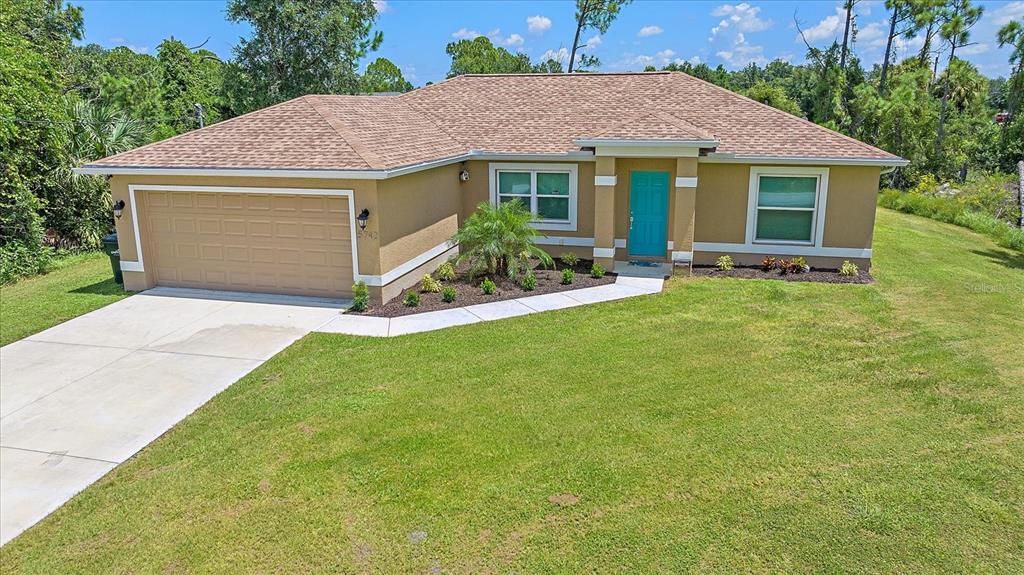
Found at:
<point>1004,258</point>
<point>105,287</point>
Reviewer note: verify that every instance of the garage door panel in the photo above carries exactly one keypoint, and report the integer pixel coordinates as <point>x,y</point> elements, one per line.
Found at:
<point>251,242</point>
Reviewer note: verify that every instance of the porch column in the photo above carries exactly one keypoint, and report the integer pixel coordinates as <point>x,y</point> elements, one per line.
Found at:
<point>604,212</point>
<point>685,204</point>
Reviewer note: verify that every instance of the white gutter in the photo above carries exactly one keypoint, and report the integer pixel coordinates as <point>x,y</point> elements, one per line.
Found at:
<point>96,170</point>
<point>720,158</point>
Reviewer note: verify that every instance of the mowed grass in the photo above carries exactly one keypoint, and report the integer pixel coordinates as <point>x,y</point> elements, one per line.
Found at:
<point>78,284</point>
<point>724,426</point>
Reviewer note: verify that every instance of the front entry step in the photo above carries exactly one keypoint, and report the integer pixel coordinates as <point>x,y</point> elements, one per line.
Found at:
<point>642,269</point>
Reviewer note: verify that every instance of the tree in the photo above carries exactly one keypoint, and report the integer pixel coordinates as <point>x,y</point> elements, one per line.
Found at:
<point>480,56</point>
<point>848,5</point>
<point>1012,35</point>
<point>775,97</point>
<point>187,80</point>
<point>383,76</point>
<point>596,14</point>
<point>958,20</point>
<point>903,21</point>
<point>299,47</point>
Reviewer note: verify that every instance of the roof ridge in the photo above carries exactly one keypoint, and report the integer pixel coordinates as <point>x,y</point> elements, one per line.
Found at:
<point>372,160</point>
<point>190,132</point>
<point>777,111</point>
<point>683,123</point>
<point>427,116</point>
<point>661,114</point>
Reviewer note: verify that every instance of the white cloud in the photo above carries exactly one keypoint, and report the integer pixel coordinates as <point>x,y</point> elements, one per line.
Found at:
<point>465,34</point>
<point>827,29</point>
<point>975,49</point>
<point>560,55</point>
<point>538,24</point>
<point>649,31</point>
<point>512,40</point>
<point>1006,14</point>
<point>665,55</point>
<point>873,35</point>
<point>743,16</point>
<point>593,42</point>
<point>721,26</point>
<point>382,6</point>
<point>742,53</point>
<point>409,72</point>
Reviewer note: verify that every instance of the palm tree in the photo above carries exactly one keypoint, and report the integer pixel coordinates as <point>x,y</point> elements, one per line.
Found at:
<point>499,238</point>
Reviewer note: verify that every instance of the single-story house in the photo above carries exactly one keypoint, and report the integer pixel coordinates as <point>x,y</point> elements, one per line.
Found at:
<point>309,195</point>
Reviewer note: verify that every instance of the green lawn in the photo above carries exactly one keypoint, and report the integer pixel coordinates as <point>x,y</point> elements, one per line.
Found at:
<point>724,426</point>
<point>77,284</point>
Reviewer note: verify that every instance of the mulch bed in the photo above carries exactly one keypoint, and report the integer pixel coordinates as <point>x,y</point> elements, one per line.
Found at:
<point>469,293</point>
<point>755,272</point>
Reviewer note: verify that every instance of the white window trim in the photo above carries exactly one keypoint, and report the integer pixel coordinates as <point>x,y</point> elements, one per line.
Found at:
<point>820,201</point>
<point>572,169</point>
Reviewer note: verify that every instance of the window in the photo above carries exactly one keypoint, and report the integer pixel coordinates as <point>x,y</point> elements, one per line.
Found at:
<point>786,205</point>
<point>547,190</point>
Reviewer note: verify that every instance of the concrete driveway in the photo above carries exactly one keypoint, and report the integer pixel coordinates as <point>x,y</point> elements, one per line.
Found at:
<point>83,396</point>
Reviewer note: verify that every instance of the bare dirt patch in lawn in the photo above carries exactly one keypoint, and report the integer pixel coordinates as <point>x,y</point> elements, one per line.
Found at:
<point>470,293</point>
<point>815,275</point>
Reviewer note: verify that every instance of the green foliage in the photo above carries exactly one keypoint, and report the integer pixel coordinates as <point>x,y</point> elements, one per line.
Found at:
<point>488,287</point>
<point>568,275</point>
<point>412,299</point>
<point>429,285</point>
<point>360,296</point>
<point>848,268</point>
<point>299,48</point>
<point>382,75</point>
<point>773,96</point>
<point>448,294</point>
<point>949,210</point>
<point>529,281</point>
<point>499,239</point>
<point>596,15</point>
<point>20,259</point>
<point>724,263</point>
<point>784,266</point>
<point>188,79</point>
<point>797,265</point>
<point>446,272</point>
<point>480,56</point>
<point>597,271</point>
<point>768,263</point>
<point>569,258</point>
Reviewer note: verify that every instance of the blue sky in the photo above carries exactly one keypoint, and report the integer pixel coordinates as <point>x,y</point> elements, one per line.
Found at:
<point>647,32</point>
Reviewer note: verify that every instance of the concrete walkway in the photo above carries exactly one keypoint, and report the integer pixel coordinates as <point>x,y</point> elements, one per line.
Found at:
<point>81,397</point>
<point>389,327</point>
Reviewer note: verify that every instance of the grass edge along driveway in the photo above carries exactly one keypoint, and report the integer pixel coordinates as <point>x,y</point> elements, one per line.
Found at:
<point>723,426</point>
<point>77,285</point>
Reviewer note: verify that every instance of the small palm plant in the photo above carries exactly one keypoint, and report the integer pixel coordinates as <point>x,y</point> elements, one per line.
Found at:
<point>499,239</point>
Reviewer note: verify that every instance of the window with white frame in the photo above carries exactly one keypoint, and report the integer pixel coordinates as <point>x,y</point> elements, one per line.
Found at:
<point>787,205</point>
<point>547,190</point>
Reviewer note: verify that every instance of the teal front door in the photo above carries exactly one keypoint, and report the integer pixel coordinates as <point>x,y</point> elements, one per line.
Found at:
<point>648,214</point>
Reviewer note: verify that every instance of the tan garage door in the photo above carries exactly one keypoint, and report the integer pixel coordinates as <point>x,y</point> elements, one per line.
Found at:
<point>288,244</point>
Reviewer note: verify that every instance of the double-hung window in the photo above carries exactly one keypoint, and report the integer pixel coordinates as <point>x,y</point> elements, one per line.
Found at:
<point>787,205</point>
<point>547,190</point>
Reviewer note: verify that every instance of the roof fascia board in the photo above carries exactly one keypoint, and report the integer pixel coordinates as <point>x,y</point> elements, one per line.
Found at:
<point>804,161</point>
<point>326,174</point>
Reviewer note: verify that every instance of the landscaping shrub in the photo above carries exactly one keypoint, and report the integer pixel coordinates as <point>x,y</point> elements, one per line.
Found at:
<point>567,276</point>
<point>488,286</point>
<point>798,265</point>
<point>448,294</point>
<point>848,268</point>
<point>768,263</point>
<point>570,259</point>
<point>23,259</point>
<point>597,271</point>
<point>429,285</point>
<point>446,272</point>
<point>499,239</point>
<point>783,266</point>
<point>412,299</point>
<point>529,282</point>
<point>360,296</point>
<point>724,263</point>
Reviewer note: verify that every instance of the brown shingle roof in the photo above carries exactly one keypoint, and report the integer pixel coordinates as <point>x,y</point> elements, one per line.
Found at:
<point>499,113</point>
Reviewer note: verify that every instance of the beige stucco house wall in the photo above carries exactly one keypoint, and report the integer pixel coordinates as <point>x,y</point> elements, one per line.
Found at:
<point>413,215</point>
